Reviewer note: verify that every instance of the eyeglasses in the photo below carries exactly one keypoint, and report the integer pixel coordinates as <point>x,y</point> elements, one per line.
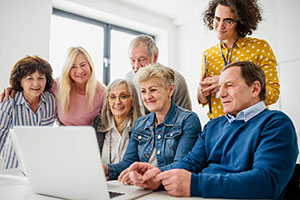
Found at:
<point>123,98</point>
<point>227,22</point>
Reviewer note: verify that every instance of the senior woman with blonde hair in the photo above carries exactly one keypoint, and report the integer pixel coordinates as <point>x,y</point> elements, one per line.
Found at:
<point>113,126</point>
<point>79,94</point>
<point>163,136</point>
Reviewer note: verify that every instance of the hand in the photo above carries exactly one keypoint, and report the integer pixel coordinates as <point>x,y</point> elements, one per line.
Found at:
<point>141,174</point>
<point>209,85</point>
<point>6,92</point>
<point>106,171</point>
<point>176,181</point>
<point>125,178</point>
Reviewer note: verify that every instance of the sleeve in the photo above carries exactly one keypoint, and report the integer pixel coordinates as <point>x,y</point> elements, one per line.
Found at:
<point>191,130</point>
<point>268,63</point>
<point>273,164</point>
<point>130,156</point>
<point>181,95</point>
<point>5,121</point>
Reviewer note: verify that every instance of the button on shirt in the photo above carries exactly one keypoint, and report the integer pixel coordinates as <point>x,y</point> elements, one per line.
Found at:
<point>17,112</point>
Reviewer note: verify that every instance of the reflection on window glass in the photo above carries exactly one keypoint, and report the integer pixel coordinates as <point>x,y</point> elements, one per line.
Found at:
<point>66,33</point>
<point>119,58</point>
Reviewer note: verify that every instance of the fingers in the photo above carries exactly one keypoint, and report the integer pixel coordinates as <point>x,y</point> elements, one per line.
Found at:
<point>122,176</point>
<point>151,173</point>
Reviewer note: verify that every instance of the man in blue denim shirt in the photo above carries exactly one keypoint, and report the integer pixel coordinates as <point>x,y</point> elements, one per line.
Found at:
<point>165,135</point>
<point>250,153</point>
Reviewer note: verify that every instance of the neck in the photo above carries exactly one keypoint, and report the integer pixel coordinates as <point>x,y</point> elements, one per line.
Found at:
<point>160,116</point>
<point>33,102</point>
<point>80,88</point>
<point>119,122</point>
<point>229,43</point>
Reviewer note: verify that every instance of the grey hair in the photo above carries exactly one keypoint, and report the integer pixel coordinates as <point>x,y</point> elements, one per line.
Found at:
<point>106,114</point>
<point>149,43</point>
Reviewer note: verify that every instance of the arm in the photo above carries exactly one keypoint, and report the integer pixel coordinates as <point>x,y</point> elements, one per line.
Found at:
<point>267,62</point>
<point>273,163</point>
<point>190,130</point>
<point>5,121</point>
<point>181,95</point>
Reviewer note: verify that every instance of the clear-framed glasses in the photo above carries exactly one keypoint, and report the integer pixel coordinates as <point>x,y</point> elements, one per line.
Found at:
<point>123,98</point>
<point>227,22</point>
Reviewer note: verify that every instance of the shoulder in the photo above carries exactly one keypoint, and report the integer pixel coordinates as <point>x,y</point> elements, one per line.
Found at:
<point>212,49</point>
<point>100,88</point>
<point>184,114</point>
<point>179,79</point>
<point>273,115</point>
<point>257,41</point>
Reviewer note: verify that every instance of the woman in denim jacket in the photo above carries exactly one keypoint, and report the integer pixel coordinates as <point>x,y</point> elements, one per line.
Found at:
<point>165,135</point>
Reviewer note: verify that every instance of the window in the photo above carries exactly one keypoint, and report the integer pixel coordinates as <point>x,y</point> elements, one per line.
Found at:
<point>107,44</point>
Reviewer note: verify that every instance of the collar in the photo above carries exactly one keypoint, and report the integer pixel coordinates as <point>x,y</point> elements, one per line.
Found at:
<point>169,119</point>
<point>240,43</point>
<point>113,125</point>
<point>248,113</point>
<point>20,99</point>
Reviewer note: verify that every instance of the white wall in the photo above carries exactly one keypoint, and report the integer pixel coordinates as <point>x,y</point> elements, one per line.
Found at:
<point>24,30</point>
<point>280,28</point>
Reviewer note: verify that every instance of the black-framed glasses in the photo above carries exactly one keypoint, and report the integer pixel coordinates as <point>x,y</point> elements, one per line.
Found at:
<point>227,22</point>
<point>123,98</point>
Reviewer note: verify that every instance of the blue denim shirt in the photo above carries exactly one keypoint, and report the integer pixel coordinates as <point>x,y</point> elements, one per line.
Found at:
<point>174,138</point>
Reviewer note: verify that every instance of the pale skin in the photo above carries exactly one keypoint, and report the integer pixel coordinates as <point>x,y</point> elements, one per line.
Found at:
<point>228,35</point>
<point>157,99</point>
<point>79,72</point>
<point>235,96</point>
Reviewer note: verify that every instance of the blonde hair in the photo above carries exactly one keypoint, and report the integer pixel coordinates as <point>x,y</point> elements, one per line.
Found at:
<point>164,75</point>
<point>106,114</point>
<point>65,85</point>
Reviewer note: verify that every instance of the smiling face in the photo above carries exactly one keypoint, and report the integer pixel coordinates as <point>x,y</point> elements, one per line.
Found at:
<point>120,101</point>
<point>156,98</point>
<point>225,23</point>
<point>80,71</point>
<point>234,93</point>
<point>33,85</point>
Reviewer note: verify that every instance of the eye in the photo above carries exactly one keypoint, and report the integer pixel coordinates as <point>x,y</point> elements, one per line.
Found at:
<point>153,89</point>
<point>111,98</point>
<point>143,91</point>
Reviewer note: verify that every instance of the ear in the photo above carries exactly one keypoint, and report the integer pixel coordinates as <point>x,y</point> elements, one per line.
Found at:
<point>256,89</point>
<point>155,57</point>
<point>171,89</point>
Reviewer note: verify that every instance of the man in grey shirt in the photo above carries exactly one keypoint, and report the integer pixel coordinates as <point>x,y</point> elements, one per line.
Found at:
<point>143,51</point>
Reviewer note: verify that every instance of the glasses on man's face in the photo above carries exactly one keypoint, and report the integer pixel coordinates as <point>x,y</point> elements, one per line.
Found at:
<point>123,98</point>
<point>227,22</point>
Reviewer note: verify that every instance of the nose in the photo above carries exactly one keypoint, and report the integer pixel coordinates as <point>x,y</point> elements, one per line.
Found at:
<point>220,25</point>
<point>136,66</point>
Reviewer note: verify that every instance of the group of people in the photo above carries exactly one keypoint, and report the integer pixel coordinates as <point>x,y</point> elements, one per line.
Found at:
<point>148,134</point>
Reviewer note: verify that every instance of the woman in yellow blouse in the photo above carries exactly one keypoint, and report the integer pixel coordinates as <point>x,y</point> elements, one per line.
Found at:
<point>232,21</point>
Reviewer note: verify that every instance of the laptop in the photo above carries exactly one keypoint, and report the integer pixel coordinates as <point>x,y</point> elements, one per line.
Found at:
<point>64,162</point>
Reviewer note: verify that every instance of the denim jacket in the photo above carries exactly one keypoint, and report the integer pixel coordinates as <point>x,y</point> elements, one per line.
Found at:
<point>174,138</point>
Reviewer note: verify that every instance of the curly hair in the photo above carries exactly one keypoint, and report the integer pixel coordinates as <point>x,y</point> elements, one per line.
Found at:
<point>247,12</point>
<point>27,66</point>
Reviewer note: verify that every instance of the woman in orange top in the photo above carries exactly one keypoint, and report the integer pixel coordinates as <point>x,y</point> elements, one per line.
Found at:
<point>233,20</point>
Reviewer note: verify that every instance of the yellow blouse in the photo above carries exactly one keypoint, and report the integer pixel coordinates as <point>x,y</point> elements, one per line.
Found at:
<point>246,49</point>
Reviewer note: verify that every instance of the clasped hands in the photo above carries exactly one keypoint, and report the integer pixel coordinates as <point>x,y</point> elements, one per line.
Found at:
<point>207,86</point>
<point>176,181</point>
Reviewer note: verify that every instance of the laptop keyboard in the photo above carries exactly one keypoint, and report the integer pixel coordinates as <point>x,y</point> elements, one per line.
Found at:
<point>114,194</point>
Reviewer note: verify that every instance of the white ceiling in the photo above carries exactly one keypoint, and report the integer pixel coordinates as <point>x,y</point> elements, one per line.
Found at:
<point>179,11</point>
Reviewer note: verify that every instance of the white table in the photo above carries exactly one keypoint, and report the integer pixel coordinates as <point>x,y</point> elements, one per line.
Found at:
<point>14,186</point>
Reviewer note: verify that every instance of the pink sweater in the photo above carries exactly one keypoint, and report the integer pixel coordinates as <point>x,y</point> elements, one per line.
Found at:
<point>80,114</point>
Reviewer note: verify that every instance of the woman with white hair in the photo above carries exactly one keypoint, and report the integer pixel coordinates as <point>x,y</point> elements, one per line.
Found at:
<point>113,125</point>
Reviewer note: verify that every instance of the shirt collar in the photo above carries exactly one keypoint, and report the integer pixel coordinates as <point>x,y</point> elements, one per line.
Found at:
<point>20,99</point>
<point>240,43</point>
<point>113,125</point>
<point>248,113</point>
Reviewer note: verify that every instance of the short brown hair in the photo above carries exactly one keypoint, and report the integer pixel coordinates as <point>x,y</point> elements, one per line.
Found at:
<point>247,12</point>
<point>27,66</point>
<point>251,72</point>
